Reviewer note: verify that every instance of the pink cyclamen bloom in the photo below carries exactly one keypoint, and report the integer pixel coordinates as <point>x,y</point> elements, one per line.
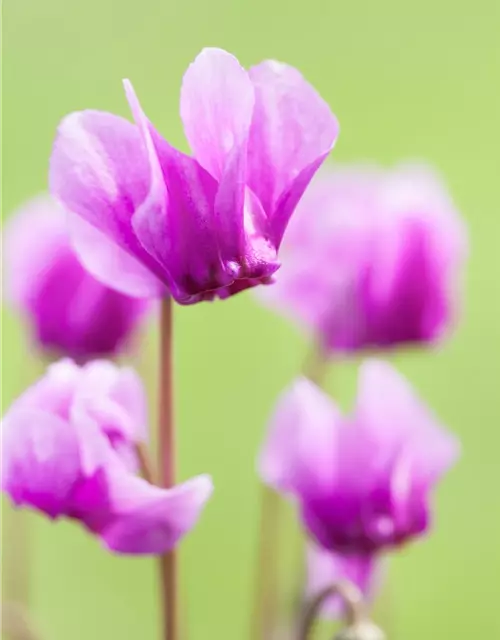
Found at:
<point>70,313</point>
<point>372,259</point>
<point>151,219</point>
<point>69,450</point>
<point>362,483</point>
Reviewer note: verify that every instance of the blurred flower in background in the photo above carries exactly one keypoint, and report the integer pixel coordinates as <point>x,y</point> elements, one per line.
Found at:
<point>372,259</point>
<point>68,311</point>
<point>150,219</point>
<point>362,483</point>
<point>69,450</point>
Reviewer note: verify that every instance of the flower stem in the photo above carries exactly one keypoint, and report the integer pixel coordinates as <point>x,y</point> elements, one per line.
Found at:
<point>166,467</point>
<point>315,368</point>
<point>267,587</point>
<point>16,623</point>
<point>266,595</point>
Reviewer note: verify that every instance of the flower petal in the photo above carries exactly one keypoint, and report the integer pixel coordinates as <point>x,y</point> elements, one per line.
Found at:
<point>299,453</point>
<point>33,237</point>
<point>100,172</point>
<point>53,393</point>
<point>403,426</point>
<point>110,264</point>
<point>217,99</point>
<point>292,132</point>
<point>169,228</point>
<point>115,398</point>
<point>151,520</point>
<point>40,460</point>
<point>325,568</point>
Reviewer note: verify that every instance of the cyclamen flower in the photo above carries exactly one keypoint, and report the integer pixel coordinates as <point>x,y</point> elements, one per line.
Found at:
<point>69,450</point>
<point>150,219</point>
<point>69,312</point>
<point>372,259</point>
<point>362,483</point>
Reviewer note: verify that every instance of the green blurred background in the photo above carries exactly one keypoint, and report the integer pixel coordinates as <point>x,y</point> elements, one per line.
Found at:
<point>406,80</point>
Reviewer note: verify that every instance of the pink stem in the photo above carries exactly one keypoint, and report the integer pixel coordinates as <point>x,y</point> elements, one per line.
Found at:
<point>166,467</point>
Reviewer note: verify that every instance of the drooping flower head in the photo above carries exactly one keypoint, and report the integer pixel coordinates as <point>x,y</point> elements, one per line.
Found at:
<point>70,313</point>
<point>69,450</point>
<point>150,219</point>
<point>372,259</point>
<point>362,483</point>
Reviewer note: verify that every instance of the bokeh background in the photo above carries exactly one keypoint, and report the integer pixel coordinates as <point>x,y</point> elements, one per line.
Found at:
<point>406,80</point>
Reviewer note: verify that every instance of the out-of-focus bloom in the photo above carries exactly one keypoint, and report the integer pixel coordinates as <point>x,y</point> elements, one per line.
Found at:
<point>362,483</point>
<point>69,311</point>
<point>69,450</point>
<point>150,219</point>
<point>372,259</point>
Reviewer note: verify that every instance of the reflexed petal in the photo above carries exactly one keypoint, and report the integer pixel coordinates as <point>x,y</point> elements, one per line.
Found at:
<point>300,451</point>
<point>217,100</point>
<point>40,460</point>
<point>292,132</point>
<point>110,264</point>
<point>99,171</point>
<point>170,226</point>
<point>217,103</point>
<point>150,520</point>
<point>403,425</point>
<point>324,569</point>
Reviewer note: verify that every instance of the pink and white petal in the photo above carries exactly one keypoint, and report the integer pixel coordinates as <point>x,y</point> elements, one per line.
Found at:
<point>325,568</point>
<point>129,393</point>
<point>112,265</point>
<point>33,237</point>
<point>293,130</point>
<point>99,170</point>
<point>96,447</point>
<point>54,392</point>
<point>114,398</point>
<point>290,197</point>
<point>40,460</point>
<point>299,454</point>
<point>217,100</point>
<point>396,421</point>
<point>150,520</point>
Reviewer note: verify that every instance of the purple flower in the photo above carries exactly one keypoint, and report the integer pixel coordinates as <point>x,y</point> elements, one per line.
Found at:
<point>362,483</point>
<point>69,450</point>
<point>69,311</point>
<point>372,259</point>
<point>150,219</point>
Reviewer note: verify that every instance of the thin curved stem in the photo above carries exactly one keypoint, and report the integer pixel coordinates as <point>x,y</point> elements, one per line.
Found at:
<point>145,463</point>
<point>350,595</point>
